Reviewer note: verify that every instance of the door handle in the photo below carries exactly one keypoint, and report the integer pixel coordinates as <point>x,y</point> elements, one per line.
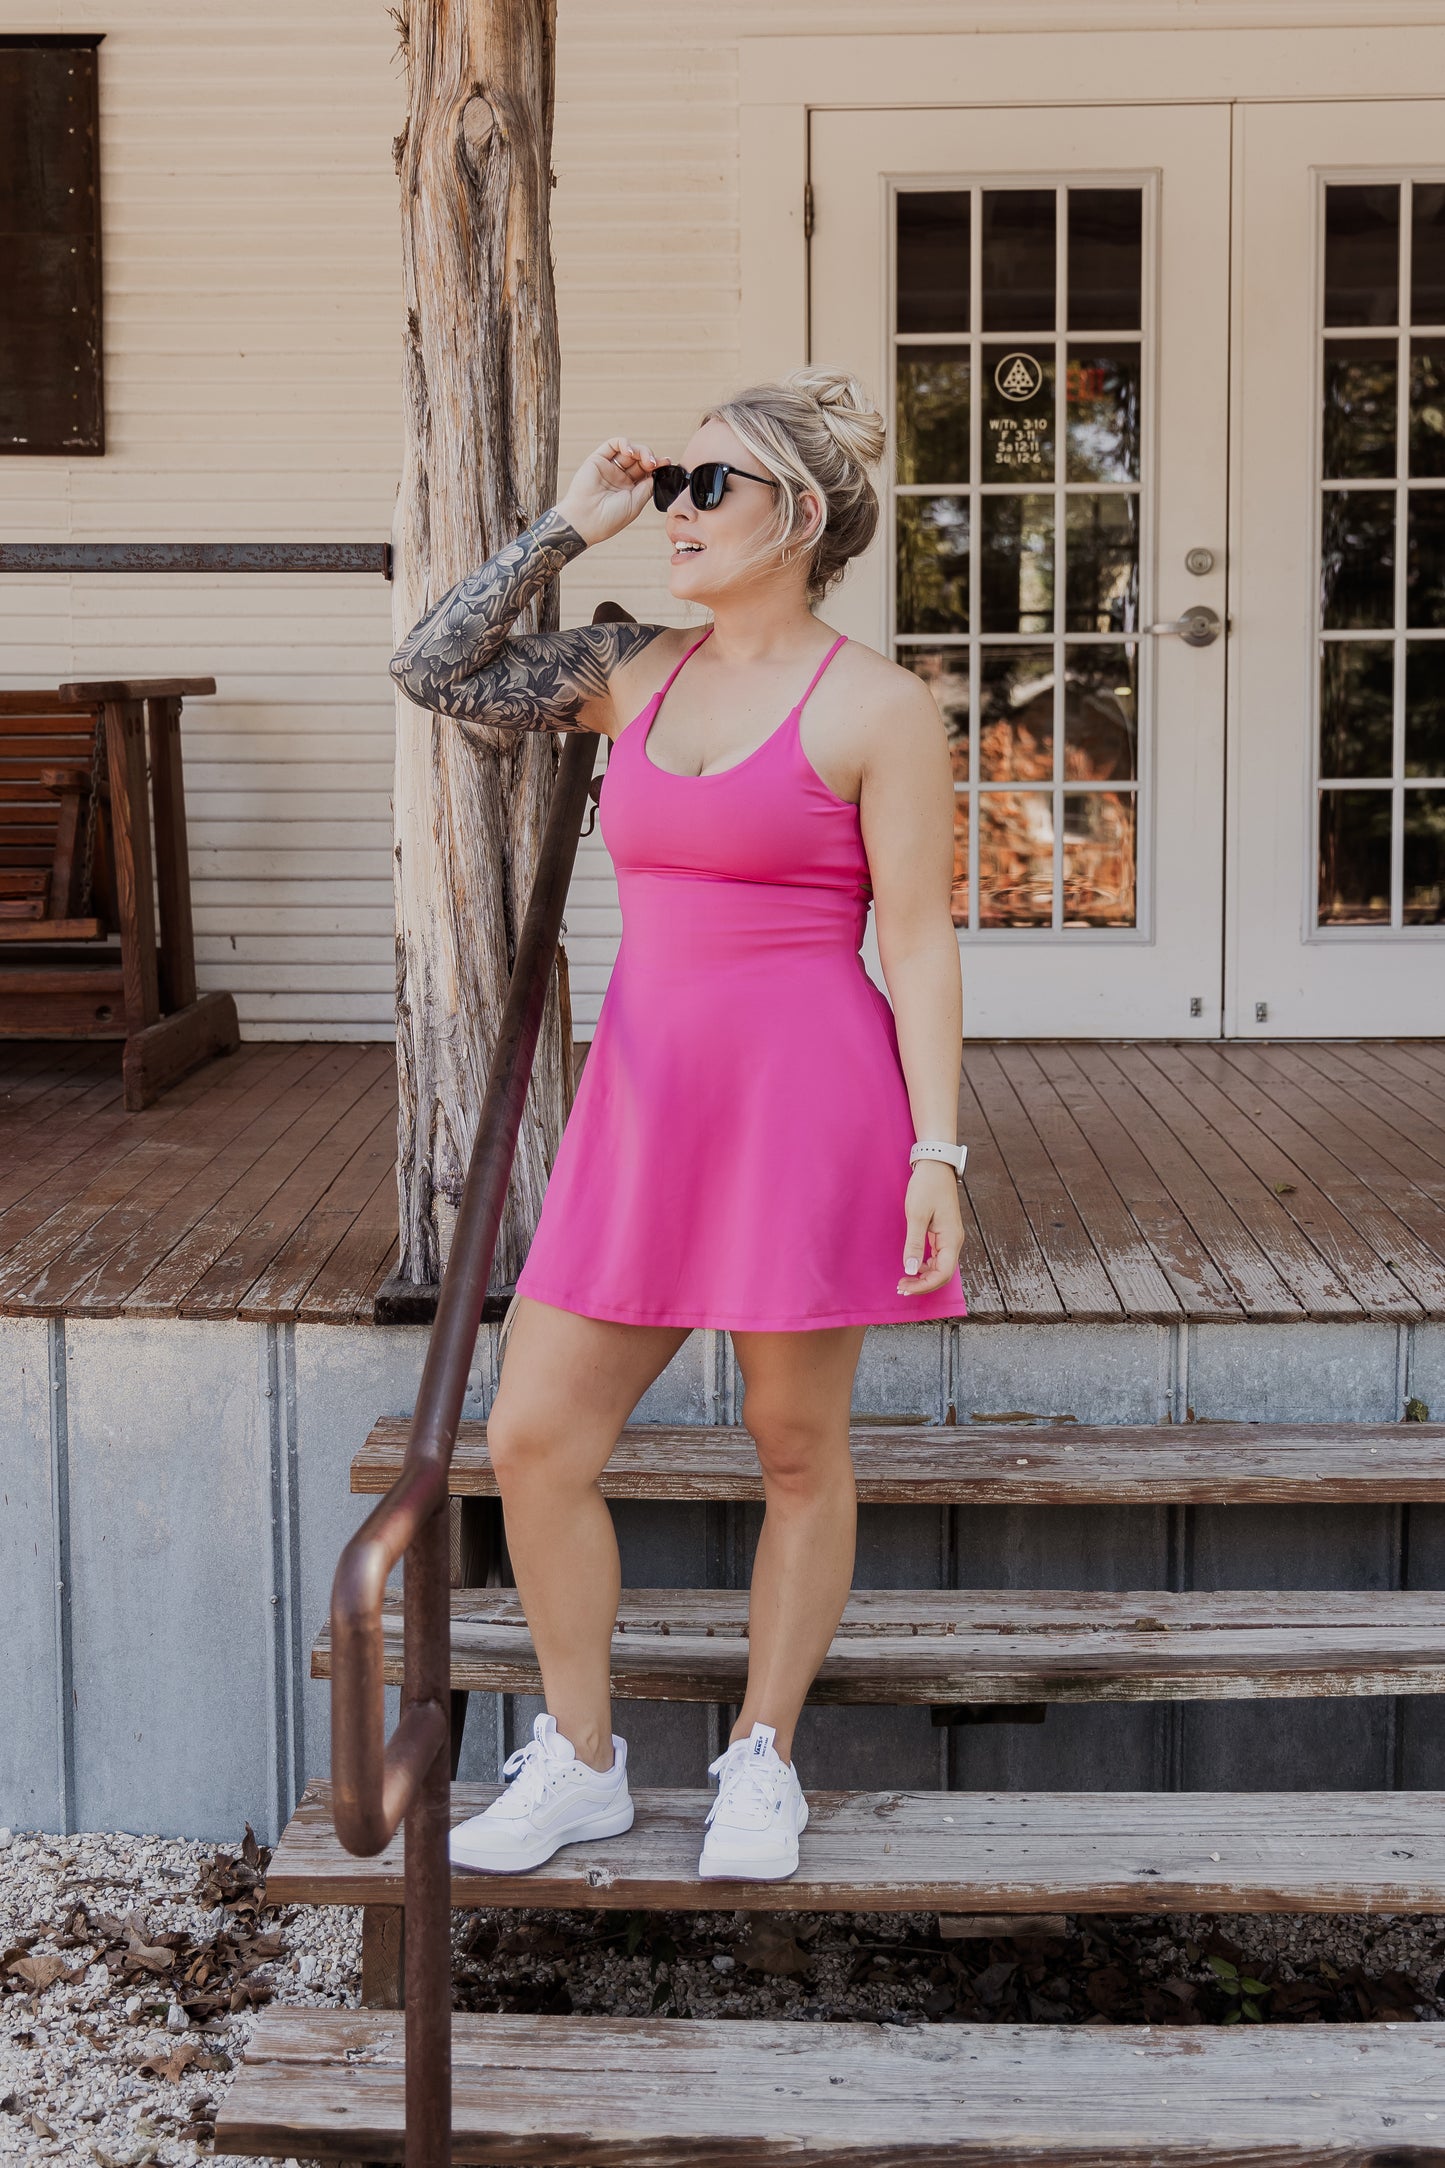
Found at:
<point>1199,627</point>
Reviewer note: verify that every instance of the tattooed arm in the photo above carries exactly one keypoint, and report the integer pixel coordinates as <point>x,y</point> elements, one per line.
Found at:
<point>461,660</point>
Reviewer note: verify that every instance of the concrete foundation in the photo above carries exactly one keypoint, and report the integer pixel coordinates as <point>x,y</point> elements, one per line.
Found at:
<point>173,1496</point>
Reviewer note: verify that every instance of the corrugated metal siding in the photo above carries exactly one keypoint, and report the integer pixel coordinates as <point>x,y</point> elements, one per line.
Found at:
<point>252,368</point>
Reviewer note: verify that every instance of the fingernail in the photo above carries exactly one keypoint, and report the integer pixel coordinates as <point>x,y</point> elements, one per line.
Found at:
<point>910,1264</point>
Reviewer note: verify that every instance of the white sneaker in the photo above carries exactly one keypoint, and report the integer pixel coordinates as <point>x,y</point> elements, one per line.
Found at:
<point>754,1824</point>
<point>551,1799</point>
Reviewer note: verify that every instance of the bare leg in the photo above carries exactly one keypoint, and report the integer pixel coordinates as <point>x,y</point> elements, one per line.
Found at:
<point>799,1387</point>
<point>567,1387</point>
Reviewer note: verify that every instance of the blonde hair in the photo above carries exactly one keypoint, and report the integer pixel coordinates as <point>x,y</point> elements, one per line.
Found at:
<point>814,430</point>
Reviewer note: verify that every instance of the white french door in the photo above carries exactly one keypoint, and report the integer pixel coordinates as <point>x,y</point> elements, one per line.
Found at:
<point>1042,298</point>
<point>1336,880</point>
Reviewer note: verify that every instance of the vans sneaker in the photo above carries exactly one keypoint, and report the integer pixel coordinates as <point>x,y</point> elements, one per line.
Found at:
<point>754,1824</point>
<point>551,1799</point>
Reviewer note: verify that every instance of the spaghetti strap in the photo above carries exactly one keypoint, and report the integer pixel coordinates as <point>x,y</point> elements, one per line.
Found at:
<point>841,641</point>
<point>666,686</point>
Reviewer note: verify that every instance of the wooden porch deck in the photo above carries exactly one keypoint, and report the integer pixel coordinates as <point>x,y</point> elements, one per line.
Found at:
<point>1108,1181</point>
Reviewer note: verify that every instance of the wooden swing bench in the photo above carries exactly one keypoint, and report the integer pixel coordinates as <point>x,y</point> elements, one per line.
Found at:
<point>96,940</point>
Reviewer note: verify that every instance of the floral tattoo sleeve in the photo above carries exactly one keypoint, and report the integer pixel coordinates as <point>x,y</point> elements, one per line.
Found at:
<point>460,660</point>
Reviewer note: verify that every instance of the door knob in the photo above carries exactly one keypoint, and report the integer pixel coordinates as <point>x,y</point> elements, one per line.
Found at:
<point>1199,627</point>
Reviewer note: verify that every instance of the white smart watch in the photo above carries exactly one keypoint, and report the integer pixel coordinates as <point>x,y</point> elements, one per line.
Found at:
<point>955,1154</point>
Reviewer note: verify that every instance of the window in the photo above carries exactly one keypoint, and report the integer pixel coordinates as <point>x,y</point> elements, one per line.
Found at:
<point>1381,736</point>
<point>1018,390</point>
<point>50,356</point>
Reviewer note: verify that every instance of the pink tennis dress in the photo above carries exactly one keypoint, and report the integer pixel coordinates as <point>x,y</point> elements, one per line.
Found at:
<point>737,1151</point>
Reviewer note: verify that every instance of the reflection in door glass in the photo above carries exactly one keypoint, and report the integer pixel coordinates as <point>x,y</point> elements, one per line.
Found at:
<point>1019,274</point>
<point>1017,570</point>
<point>1382,565</point>
<point>1017,497</point>
<point>932,414</point>
<point>944,670</point>
<point>1102,405</point>
<point>1016,715</point>
<point>1360,403</point>
<point>1425,707</point>
<point>1103,561</point>
<point>1362,254</point>
<point>1016,858</point>
<point>1427,409</point>
<point>1106,259</point>
<point>1099,857</point>
<point>932,564</point>
<point>933,248</point>
<point>1101,729</point>
<point>1357,708</point>
<point>1427,253</point>
<point>1357,561</point>
<point>1424,867</point>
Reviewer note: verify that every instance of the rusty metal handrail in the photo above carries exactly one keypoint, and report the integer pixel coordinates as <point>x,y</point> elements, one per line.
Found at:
<point>377,1783</point>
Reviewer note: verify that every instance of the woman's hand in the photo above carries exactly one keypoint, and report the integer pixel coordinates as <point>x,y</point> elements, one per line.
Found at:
<point>931,1204</point>
<point>609,490</point>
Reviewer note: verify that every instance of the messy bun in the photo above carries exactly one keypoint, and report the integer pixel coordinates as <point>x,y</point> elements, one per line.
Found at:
<point>816,430</point>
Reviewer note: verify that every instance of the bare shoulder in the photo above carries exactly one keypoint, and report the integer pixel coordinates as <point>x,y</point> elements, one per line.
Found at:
<point>642,658</point>
<point>894,711</point>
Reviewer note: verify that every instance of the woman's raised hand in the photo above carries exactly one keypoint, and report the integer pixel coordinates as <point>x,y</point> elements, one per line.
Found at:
<point>609,490</point>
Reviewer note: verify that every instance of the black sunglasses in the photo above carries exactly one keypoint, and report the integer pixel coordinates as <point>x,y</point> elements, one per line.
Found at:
<point>705,483</point>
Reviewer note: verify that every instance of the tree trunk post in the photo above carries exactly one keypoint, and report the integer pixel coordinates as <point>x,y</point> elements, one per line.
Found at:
<point>480,462</point>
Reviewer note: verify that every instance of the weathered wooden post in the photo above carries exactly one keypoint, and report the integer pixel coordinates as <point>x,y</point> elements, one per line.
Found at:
<point>481,392</point>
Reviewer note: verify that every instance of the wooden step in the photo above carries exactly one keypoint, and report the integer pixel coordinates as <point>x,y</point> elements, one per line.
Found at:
<point>987,1645</point>
<point>1006,1463</point>
<point>655,2093</point>
<point>1000,1852</point>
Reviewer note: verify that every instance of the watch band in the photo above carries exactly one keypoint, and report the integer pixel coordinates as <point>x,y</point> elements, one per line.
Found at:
<point>955,1154</point>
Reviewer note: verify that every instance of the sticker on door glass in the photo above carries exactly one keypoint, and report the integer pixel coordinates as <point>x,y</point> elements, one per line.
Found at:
<point>1019,414</point>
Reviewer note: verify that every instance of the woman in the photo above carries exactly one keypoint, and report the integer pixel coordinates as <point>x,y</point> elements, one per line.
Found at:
<point>744,1148</point>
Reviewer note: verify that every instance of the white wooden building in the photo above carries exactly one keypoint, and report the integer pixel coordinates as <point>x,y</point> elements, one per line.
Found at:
<point>1250,841</point>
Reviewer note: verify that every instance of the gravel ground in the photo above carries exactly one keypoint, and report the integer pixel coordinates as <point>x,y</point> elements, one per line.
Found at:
<point>131,1969</point>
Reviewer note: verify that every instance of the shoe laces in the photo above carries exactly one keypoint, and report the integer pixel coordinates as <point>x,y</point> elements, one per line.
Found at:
<point>750,1785</point>
<point>534,1771</point>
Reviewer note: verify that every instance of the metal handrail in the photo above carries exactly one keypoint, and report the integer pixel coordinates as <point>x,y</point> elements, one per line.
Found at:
<point>377,1783</point>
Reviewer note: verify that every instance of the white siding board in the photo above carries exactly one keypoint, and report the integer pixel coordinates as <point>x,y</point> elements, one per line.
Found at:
<point>253,392</point>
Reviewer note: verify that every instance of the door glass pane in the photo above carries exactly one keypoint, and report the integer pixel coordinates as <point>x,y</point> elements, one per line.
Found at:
<point>932,578</point>
<point>1427,406</point>
<point>1425,563</point>
<point>1102,409</point>
<point>1357,571</point>
<point>1354,857</point>
<point>1427,253</point>
<point>1099,858</point>
<point>1018,259</point>
<point>1360,403</point>
<point>1101,727</point>
<point>1018,414</point>
<point>1016,857</point>
<point>1101,589</point>
<point>1362,254</point>
<point>1040,638</point>
<point>932,422</point>
<point>944,670</point>
<point>1357,708</point>
<point>958,895</point>
<point>1425,858</point>
<point>1425,708</point>
<point>1016,565</point>
<point>1016,715</point>
<point>933,249</point>
<point>1106,258</point>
